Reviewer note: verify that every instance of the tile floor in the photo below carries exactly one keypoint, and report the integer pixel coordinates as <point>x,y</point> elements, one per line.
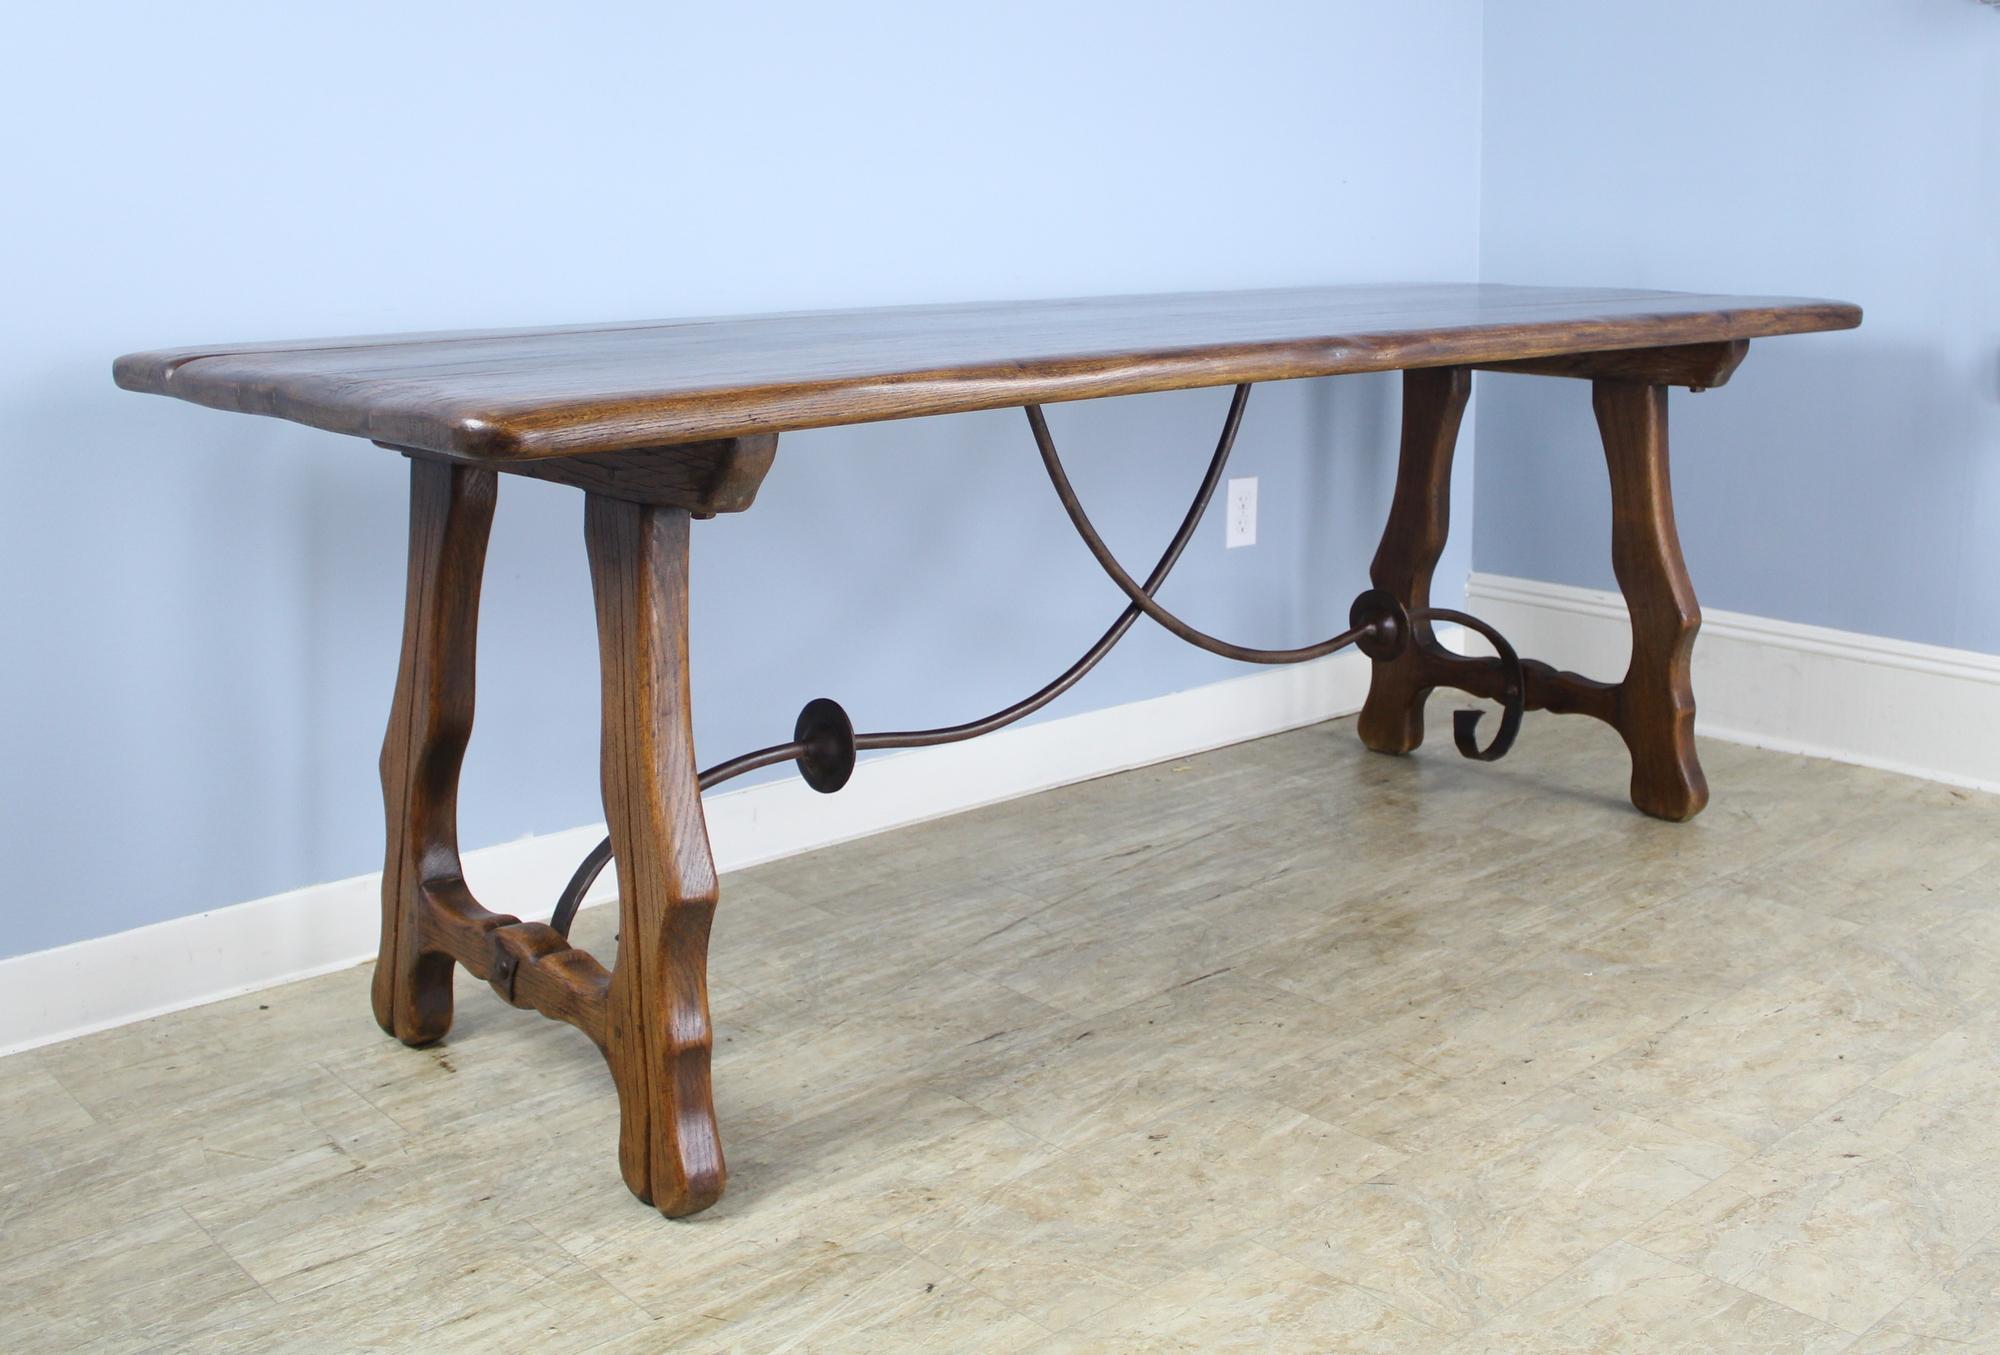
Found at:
<point>1288,1047</point>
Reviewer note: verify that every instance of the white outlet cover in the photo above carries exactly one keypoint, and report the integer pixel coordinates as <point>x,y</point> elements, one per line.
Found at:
<point>1241,517</point>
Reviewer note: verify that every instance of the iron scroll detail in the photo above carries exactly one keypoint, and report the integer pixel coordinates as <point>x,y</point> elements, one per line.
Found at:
<point>1513,690</point>
<point>824,744</point>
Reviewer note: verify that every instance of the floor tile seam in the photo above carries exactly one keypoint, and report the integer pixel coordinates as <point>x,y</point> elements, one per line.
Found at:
<point>1739,1157</point>
<point>1617,1101</point>
<point>1042,1006</point>
<point>1518,962</point>
<point>1455,1136</point>
<point>1227,961</point>
<point>427,1326</point>
<point>1091,1140</point>
<point>241,1269</point>
<point>1481,969</point>
<point>462,1225</point>
<point>571,1256</point>
<point>1564,1081</point>
<point>114,1233</point>
<point>839,920</point>
<point>1146,854</point>
<point>826,1092</point>
<point>1991,1238</point>
<point>591,1349</point>
<point>38,1253</point>
<point>331,1071</point>
<point>1385,1300</point>
<point>1093,1270</point>
<point>1528,1298</point>
<point>1794,1176</point>
<point>1738,1160</point>
<point>1855,1334</point>
<point>1054,1149</point>
<point>48,1067</point>
<point>1930,1099</point>
<point>1250,1235</point>
<point>1708,881</point>
<point>1988,1240</point>
<point>1388,1300</point>
<point>1057,1018</point>
<point>918,1256</point>
<point>1563,1086</point>
<point>172,1343</point>
<point>1626,1241</point>
<point>1406,1154</point>
<point>609,1282</point>
<point>1705,1004</point>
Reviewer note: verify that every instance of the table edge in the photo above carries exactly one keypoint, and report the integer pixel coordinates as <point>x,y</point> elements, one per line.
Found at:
<point>579,427</point>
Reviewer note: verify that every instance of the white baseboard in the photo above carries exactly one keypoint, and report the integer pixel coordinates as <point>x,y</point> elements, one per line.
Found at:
<point>1918,709</point>
<point>108,981</point>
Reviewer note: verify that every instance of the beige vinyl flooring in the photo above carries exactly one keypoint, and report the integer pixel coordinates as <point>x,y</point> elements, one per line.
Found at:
<point>1286,1047</point>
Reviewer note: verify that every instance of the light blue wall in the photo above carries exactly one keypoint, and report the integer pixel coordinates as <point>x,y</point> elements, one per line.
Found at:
<point>201,611</point>
<point>1846,148</point>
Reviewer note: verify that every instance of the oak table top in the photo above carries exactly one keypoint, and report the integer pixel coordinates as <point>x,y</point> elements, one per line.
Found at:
<point>530,393</point>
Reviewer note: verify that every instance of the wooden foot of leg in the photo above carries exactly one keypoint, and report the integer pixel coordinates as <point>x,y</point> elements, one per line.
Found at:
<point>1434,399</point>
<point>1655,707</point>
<point>451,508</point>
<point>657,1037</point>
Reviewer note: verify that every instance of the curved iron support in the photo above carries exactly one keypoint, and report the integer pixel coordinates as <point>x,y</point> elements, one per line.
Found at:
<point>1139,596</point>
<point>797,750</point>
<point>579,884</point>
<point>824,744</point>
<point>1513,690</point>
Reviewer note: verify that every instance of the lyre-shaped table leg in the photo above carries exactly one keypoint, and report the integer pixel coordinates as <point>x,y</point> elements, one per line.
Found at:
<point>451,509</point>
<point>1656,699</point>
<point>658,1036</point>
<point>1434,399</point>
<point>1653,706</point>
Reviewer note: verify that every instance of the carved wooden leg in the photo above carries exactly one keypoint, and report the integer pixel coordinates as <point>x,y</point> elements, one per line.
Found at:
<point>1655,702</point>
<point>1434,399</point>
<point>658,1034</point>
<point>451,508</point>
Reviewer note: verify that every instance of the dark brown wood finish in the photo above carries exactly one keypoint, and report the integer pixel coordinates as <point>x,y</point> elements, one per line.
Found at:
<point>451,510</point>
<point>649,1016</point>
<point>529,964</point>
<point>1652,708</point>
<point>706,478</point>
<point>429,918</point>
<point>565,392</point>
<point>1434,399</point>
<point>1698,366</point>
<point>1656,699</point>
<point>660,423</point>
<point>668,1145</point>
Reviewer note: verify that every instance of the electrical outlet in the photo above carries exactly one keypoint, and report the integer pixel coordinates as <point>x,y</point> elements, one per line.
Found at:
<point>1243,512</point>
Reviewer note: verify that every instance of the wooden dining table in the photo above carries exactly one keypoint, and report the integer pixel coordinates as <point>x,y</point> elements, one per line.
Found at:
<point>665,423</point>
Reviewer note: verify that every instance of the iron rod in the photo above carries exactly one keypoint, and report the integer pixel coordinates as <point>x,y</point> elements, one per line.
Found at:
<point>1140,601</point>
<point>600,855</point>
<point>1140,597</point>
<point>1513,690</point>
